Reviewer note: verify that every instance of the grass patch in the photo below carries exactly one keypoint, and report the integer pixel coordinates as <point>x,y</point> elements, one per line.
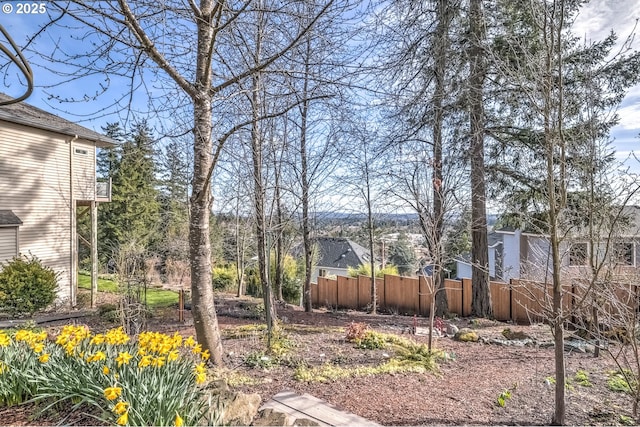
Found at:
<point>582,378</point>
<point>156,298</point>
<point>245,331</point>
<point>622,381</point>
<point>329,372</point>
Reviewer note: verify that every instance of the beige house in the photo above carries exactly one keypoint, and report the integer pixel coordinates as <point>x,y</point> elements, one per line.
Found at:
<point>47,180</point>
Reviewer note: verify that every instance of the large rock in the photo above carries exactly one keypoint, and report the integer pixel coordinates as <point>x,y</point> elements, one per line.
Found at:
<point>239,409</point>
<point>466,335</point>
<point>271,417</point>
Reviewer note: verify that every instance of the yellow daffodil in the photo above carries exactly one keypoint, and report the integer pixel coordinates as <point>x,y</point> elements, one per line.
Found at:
<point>189,342</point>
<point>199,368</point>
<point>37,347</point>
<point>144,361</point>
<point>124,418</point>
<point>97,357</point>
<point>179,422</point>
<point>123,358</point>
<point>157,362</point>
<point>44,358</point>
<point>173,355</point>
<point>197,349</point>
<point>4,339</point>
<point>97,339</point>
<point>205,355</point>
<point>112,393</point>
<point>105,370</point>
<point>120,408</point>
<point>201,378</point>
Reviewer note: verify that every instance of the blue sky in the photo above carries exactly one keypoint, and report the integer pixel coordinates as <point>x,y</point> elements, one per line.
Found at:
<point>594,22</point>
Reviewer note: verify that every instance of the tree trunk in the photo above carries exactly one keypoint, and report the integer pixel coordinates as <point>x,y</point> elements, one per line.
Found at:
<point>204,313</point>
<point>437,255</point>
<point>304,178</point>
<point>481,299</point>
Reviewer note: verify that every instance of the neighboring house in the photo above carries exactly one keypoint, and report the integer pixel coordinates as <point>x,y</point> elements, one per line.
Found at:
<point>495,246</point>
<point>47,171</point>
<point>528,255</point>
<point>335,255</point>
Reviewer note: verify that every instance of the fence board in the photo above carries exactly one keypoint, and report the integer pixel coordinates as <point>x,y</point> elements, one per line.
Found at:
<point>314,295</point>
<point>526,299</point>
<point>424,298</point>
<point>347,292</point>
<point>364,292</point>
<point>401,294</point>
<point>467,295</point>
<point>327,292</point>
<point>500,300</point>
<point>453,288</point>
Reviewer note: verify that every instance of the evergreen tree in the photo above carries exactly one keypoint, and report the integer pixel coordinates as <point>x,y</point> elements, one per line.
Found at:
<point>401,255</point>
<point>133,214</point>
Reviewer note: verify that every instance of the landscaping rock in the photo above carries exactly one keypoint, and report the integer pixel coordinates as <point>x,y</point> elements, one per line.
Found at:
<point>271,417</point>
<point>466,335</point>
<point>452,329</point>
<point>515,335</point>
<point>239,409</point>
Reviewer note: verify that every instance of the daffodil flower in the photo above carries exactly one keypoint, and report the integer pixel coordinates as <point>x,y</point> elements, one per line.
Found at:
<point>112,393</point>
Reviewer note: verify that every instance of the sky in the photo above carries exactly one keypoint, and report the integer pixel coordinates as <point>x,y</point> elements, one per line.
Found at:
<point>594,22</point>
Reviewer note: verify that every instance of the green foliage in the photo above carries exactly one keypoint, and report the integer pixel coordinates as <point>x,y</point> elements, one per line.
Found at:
<point>133,215</point>
<point>626,421</point>
<point>503,397</point>
<point>365,270</point>
<point>26,286</point>
<point>258,359</point>
<point>291,278</point>
<point>224,278</point>
<point>582,378</point>
<point>372,340</point>
<point>622,381</point>
<point>402,255</point>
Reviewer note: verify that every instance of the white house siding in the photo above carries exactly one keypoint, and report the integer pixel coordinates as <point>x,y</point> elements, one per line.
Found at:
<point>511,255</point>
<point>8,242</point>
<point>329,272</point>
<point>84,168</point>
<point>35,185</point>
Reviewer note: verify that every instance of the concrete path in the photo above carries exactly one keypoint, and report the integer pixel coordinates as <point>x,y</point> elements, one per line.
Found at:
<point>317,410</point>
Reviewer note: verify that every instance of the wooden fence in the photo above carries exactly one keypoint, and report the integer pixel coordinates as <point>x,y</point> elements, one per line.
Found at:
<point>518,301</point>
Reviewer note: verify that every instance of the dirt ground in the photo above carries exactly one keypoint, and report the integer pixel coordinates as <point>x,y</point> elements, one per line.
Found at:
<point>463,391</point>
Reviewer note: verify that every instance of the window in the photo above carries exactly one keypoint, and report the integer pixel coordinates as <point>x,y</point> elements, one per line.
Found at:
<point>624,253</point>
<point>578,254</point>
<point>322,272</point>
<point>81,151</point>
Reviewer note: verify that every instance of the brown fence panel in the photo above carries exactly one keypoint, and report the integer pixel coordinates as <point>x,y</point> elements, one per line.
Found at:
<point>315,301</point>
<point>402,294</point>
<point>364,292</point>
<point>425,284</point>
<point>453,288</point>
<point>501,300</point>
<point>526,301</point>
<point>327,292</point>
<point>347,292</point>
<point>467,296</point>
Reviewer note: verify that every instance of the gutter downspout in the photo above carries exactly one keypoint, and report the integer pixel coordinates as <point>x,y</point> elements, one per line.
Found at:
<point>72,235</point>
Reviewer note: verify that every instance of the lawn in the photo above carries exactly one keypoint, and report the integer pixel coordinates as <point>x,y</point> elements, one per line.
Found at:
<point>156,298</point>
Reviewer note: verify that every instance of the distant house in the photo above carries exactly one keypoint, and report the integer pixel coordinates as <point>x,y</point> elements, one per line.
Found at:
<point>335,255</point>
<point>496,256</point>
<point>47,172</point>
<point>528,255</point>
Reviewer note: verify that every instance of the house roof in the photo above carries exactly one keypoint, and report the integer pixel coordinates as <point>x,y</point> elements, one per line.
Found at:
<point>28,115</point>
<point>339,252</point>
<point>7,217</point>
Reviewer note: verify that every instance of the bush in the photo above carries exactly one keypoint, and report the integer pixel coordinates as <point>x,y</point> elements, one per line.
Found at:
<point>26,286</point>
<point>224,278</point>
<point>365,270</point>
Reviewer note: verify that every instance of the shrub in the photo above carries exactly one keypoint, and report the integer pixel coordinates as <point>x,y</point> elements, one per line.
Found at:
<point>356,331</point>
<point>26,286</point>
<point>365,270</point>
<point>224,278</point>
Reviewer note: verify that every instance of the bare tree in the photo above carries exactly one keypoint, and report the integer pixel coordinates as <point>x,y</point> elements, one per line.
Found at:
<point>136,42</point>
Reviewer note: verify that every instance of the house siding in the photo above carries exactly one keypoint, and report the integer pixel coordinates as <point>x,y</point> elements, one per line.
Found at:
<point>35,185</point>
<point>8,243</point>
